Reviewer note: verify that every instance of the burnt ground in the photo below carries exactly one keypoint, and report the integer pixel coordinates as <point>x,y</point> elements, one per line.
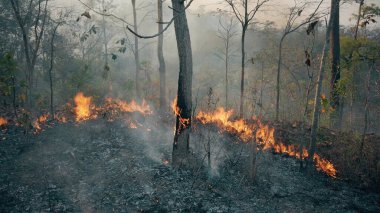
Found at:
<point>98,166</point>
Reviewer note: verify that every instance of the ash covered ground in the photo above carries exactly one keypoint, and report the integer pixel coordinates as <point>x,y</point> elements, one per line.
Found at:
<point>101,166</point>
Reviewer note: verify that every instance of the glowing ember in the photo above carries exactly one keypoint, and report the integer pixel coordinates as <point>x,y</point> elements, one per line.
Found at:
<point>39,121</point>
<point>3,121</point>
<point>264,136</point>
<point>82,109</point>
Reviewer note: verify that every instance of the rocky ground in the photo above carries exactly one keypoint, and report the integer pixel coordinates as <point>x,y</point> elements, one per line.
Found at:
<point>100,166</point>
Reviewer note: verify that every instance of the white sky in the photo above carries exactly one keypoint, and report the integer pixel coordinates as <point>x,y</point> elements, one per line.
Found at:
<point>275,10</point>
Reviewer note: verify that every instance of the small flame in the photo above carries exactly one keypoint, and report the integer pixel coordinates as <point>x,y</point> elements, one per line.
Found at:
<point>3,121</point>
<point>133,106</point>
<point>177,111</point>
<point>83,107</point>
<point>39,121</point>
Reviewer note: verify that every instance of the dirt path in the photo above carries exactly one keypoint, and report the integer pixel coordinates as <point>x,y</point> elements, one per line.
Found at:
<point>106,167</point>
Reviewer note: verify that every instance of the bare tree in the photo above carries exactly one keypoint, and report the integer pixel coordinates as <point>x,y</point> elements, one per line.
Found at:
<point>317,102</point>
<point>184,95</point>
<point>183,104</point>
<point>335,66</point>
<point>361,3</point>
<point>53,35</point>
<point>226,32</point>
<point>31,46</point>
<point>291,26</point>
<point>136,51</point>
<point>161,59</point>
<point>245,18</point>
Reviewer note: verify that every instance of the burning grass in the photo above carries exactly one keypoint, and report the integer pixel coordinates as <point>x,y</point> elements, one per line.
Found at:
<point>263,134</point>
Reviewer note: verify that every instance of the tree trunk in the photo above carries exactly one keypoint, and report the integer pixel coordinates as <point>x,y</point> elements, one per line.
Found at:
<point>242,72</point>
<point>366,108</point>
<point>136,52</point>
<point>184,95</point>
<point>358,20</point>
<point>106,66</point>
<point>278,77</point>
<point>226,68</point>
<point>317,102</point>
<point>161,60</point>
<point>51,72</point>
<point>335,69</point>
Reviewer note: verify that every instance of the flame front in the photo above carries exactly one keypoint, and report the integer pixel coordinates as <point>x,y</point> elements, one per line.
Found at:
<point>83,107</point>
<point>3,121</point>
<point>264,135</point>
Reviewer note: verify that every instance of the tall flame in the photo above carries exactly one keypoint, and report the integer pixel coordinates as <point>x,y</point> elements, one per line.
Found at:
<point>3,121</point>
<point>264,136</point>
<point>83,107</point>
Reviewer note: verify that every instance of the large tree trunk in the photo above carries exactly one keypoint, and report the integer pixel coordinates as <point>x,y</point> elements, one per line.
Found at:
<point>136,52</point>
<point>184,95</point>
<point>335,61</point>
<point>242,72</point>
<point>278,77</point>
<point>317,102</point>
<point>161,60</point>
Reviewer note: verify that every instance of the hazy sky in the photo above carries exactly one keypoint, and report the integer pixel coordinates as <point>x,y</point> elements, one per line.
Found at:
<point>275,10</point>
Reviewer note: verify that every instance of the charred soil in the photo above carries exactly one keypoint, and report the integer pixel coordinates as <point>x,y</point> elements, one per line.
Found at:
<point>101,166</point>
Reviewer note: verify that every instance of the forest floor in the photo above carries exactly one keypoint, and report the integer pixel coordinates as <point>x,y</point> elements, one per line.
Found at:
<point>100,166</point>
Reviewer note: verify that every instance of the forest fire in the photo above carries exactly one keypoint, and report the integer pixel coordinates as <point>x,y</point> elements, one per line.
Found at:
<point>83,107</point>
<point>3,121</point>
<point>264,136</point>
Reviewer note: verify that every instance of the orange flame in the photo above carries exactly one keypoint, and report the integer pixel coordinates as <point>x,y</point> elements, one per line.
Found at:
<point>83,107</point>
<point>177,111</point>
<point>133,106</point>
<point>264,136</point>
<point>39,121</point>
<point>3,121</point>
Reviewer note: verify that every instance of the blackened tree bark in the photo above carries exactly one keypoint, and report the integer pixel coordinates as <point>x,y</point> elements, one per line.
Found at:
<point>184,96</point>
<point>161,59</point>
<point>335,61</point>
<point>136,51</point>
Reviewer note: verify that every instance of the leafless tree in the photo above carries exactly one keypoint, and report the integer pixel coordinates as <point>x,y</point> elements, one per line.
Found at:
<point>226,32</point>
<point>317,102</point>
<point>31,42</point>
<point>161,59</point>
<point>291,26</point>
<point>244,14</point>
